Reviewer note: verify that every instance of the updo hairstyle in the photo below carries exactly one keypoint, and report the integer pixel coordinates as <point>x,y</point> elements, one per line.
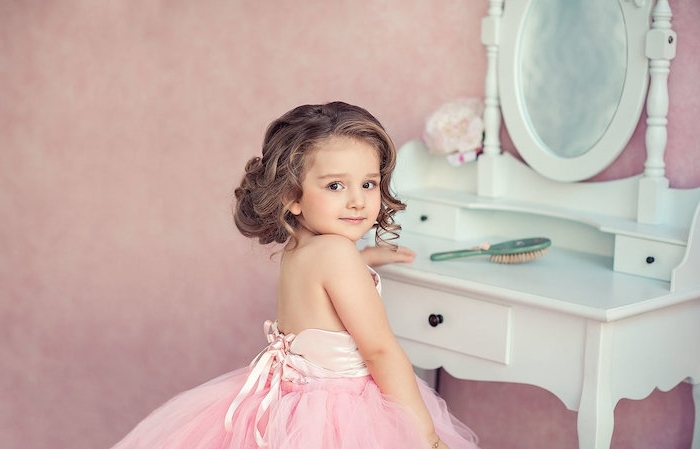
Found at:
<point>271,184</point>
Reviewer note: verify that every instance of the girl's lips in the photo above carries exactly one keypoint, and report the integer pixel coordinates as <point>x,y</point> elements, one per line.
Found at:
<point>353,219</point>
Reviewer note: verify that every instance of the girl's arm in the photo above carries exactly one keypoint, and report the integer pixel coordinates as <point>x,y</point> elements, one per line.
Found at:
<point>375,256</point>
<point>355,298</point>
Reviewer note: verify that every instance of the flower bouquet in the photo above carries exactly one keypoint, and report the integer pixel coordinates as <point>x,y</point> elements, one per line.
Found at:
<point>456,130</point>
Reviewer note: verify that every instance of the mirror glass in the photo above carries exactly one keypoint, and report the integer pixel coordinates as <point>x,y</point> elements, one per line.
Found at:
<point>572,68</point>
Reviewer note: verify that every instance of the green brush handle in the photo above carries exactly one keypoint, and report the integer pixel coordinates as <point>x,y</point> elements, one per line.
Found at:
<point>510,247</point>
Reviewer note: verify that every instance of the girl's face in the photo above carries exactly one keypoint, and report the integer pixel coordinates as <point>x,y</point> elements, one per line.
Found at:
<point>341,192</point>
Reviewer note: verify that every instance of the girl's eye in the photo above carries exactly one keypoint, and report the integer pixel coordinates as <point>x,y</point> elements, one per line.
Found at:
<point>369,185</point>
<point>335,186</point>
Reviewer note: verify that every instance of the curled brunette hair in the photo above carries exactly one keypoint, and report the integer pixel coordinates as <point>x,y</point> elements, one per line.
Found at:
<point>272,183</point>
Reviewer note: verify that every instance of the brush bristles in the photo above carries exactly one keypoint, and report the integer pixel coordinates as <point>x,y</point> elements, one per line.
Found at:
<point>518,258</point>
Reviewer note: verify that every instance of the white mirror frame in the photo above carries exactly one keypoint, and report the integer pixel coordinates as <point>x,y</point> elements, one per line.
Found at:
<point>623,123</point>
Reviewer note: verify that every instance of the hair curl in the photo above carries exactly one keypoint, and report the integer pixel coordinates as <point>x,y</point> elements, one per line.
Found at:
<point>271,184</point>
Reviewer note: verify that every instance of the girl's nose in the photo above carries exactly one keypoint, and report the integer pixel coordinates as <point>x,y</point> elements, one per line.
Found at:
<point>356,199</point>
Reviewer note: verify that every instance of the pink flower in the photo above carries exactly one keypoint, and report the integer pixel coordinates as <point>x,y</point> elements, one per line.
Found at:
<point>455,127</point>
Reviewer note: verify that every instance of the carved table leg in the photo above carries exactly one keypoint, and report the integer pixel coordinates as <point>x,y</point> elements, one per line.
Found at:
<point>596,422</point>
<point>596,414</point>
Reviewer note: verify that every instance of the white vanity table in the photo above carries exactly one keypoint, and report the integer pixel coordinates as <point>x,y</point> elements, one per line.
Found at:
<point>613,310</point>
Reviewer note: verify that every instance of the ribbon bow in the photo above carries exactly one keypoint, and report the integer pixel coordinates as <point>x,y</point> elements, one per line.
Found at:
<point>271,360</point>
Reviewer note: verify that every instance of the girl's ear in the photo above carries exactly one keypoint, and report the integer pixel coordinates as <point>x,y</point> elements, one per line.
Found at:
<point>293,206</point>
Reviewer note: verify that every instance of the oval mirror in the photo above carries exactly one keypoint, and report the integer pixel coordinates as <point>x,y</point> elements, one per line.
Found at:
<point>573,80</point>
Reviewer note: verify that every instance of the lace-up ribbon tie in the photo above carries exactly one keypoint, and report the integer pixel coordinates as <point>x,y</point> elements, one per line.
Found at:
<point>272,360</point>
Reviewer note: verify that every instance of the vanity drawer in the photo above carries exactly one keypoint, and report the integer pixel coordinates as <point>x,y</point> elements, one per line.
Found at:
<point>650,258</point>
<point>469,326</point>
<point>435,220</point>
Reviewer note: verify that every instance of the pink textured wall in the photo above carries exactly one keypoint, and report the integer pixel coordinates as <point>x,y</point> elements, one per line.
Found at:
<point>123,128</point>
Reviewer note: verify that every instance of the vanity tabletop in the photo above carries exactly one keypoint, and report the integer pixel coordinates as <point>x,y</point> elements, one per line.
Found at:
<point>563,280</point>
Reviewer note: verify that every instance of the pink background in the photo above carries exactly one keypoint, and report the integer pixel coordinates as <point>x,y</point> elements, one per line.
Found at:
<point>124,126</point>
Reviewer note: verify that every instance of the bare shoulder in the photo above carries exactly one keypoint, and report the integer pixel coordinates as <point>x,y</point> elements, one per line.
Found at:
<point>335,253</point>
<point>327,246</point>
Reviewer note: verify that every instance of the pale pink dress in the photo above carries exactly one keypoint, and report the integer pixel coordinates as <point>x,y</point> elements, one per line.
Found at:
<point>306,391</point>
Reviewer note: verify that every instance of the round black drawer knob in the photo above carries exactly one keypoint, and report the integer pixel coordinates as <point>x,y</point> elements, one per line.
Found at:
<point>423,218</point>
<point>650,259</point>
<point>434,320</point>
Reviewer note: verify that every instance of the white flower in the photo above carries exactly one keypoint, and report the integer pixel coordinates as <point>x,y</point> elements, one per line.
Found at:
<point>455,127</point>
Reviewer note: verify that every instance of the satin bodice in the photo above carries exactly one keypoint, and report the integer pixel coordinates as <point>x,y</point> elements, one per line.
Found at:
<point>318,353</point>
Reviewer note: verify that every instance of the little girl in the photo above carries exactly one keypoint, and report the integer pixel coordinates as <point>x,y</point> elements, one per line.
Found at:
<point>333,375</point>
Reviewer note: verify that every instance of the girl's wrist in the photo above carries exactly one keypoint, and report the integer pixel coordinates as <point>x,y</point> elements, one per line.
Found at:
<point>434,441</point>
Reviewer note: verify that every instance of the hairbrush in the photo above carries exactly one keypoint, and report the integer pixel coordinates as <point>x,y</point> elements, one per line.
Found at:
<point>512,251</point>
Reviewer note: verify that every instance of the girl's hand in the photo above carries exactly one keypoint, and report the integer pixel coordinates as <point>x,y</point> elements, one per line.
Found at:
<point>375,256</point>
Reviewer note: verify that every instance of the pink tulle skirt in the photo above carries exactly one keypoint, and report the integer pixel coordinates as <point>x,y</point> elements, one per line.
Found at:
<point>344,413</point>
